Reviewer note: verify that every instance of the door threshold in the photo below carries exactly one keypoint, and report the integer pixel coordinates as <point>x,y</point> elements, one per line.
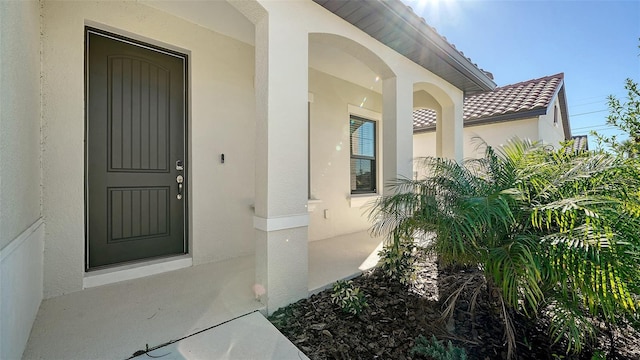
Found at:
<point>135,271</point>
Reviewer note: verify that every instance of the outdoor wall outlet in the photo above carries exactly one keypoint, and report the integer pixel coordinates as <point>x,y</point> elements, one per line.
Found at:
<point>326,213</point>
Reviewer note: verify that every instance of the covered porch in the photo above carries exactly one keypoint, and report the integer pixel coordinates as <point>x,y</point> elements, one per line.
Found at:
<point>273,87</point>
<point>114,321</point>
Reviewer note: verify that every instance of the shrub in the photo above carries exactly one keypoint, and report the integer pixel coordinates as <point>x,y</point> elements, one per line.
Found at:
<point>349,298</point>
<point>397,260</point>
<point>548,228</point>
<point>436,350</point>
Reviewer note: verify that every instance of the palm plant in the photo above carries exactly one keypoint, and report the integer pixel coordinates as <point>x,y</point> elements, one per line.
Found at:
<point>584,209</point>
<point>543,226</point>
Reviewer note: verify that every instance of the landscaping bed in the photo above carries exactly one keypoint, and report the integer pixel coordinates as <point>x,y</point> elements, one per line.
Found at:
<point>397,314</point>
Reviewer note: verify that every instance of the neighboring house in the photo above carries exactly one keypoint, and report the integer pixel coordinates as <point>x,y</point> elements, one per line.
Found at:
<point>169,134</point>
<point>580,142</point>
<point>534,109</point>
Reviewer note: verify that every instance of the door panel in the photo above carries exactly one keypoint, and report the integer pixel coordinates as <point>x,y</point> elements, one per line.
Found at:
<point>135,135</point>
<point>139,126</point>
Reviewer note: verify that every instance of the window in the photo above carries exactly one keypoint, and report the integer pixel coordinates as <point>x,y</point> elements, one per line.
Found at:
<point>363,155</point>
<point>555,115</point>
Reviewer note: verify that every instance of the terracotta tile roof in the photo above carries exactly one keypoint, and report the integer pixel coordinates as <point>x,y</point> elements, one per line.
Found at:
<point>424,118</point>
<point>516,99</point>
<point>580,143</point>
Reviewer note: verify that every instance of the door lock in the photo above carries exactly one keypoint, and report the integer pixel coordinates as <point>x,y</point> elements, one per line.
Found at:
<point>179,180</point>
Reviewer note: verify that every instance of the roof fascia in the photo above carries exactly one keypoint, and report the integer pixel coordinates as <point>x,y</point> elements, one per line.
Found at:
<point>425,129</point>
<point>566,125</point>
<point>562,99</point>
<point>507,117</point>
<point>434,41</point>
<point>493,119</point>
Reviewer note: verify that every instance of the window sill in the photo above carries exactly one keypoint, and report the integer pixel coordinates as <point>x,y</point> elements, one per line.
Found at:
<point>312,204</point>
<point>360,200</point>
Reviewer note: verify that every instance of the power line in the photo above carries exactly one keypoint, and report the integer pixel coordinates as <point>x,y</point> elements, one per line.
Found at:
<point>590,112</point>
<point>589,103</point>
<point>602,97</point>
<point>596,127</point>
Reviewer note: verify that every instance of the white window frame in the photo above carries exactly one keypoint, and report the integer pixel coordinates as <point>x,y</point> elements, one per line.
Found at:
<point>358,200</point>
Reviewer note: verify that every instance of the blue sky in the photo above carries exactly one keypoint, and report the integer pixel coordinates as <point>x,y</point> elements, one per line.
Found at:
<point>595,44</point>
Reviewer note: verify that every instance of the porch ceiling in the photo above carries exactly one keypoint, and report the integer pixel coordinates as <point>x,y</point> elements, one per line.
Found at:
<point>397,26</point>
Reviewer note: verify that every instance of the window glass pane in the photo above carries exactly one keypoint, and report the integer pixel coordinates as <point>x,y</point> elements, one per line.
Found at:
<point>362,175</point>
<point>362,137</point>
<point>363,155</point>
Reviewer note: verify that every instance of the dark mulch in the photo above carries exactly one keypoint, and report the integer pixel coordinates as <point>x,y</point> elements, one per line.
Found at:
<point>396,315</point>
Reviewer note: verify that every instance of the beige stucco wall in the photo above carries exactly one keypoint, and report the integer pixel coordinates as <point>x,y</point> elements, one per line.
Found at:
<point>495,134</point>
<point>330,156</point>
<point>19,117</point>
<point>549,132</point>
<point>424,144</point>
<point>498,134</point>
<point>222,113</point>
<point>21,228</point>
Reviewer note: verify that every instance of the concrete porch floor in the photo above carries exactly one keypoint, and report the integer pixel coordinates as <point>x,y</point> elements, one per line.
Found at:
<point>114,321</point>
<point>341,257</point>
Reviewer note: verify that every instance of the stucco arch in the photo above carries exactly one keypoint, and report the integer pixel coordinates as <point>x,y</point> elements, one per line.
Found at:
<point>433,90</point>
<point>252,10</point>
<point>448,118</point>
<point>353,49</point>
<point>345,78</point>
<point>424,100</point>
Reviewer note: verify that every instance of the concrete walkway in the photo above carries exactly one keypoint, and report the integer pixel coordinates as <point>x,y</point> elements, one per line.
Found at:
<point>114,321</point>
<point>248,337</point>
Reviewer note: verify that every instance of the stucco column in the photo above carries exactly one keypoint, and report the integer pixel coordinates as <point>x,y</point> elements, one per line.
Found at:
<point>397,129</point>
<point>281,217</point>
<point>449,132</point>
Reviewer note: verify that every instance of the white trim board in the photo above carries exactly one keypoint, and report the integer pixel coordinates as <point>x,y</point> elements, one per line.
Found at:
<point>364,112</point>
<point>135,271</point>
<point>281,223</point>
<point>17,242</point>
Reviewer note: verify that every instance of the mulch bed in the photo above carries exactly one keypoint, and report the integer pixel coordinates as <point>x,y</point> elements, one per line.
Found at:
<point>396,315</point>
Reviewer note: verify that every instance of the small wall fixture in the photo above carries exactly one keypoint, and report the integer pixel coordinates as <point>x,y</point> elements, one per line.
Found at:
<point>222,158</point>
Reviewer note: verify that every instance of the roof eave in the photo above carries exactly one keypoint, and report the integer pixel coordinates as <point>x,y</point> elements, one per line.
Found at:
<point>566,125</point>
<point>424,129</point>
<point>493,119</point>
<point>507,117</point>
<point>454,57</point>
<point>457,70</point>
<point>560,94</point>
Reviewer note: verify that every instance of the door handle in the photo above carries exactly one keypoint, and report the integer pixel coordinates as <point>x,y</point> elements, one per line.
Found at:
<point>179,180</point>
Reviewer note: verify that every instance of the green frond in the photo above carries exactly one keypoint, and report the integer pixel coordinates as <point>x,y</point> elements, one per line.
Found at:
<point>514,269</point>
<point>568,323</point>
<point>544,225</point>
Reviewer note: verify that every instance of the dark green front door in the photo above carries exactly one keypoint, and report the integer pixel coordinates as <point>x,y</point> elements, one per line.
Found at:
<point>135,151</point>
